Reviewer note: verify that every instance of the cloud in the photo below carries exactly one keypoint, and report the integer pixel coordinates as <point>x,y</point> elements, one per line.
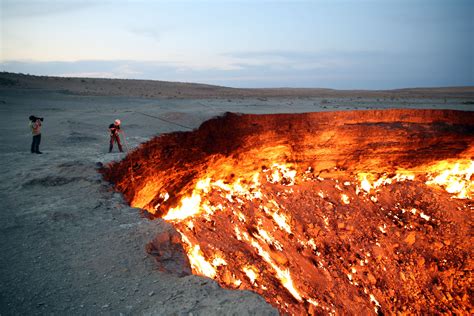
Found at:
<point>148,32</point>
<point>84,68</point>
<point>89,75</point>
<point>300,60</point>
<point>42,8</point>
<point>371,70</point>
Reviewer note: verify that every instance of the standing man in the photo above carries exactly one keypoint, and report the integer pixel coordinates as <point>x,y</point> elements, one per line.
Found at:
<point>114,135</point>
<point>35,126</point>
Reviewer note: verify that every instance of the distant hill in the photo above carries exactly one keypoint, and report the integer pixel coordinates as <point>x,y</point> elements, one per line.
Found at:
<point>181,90</point>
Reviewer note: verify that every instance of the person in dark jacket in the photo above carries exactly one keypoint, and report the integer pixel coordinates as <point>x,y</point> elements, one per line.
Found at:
<point>115,135</point>
<point>35,126</point>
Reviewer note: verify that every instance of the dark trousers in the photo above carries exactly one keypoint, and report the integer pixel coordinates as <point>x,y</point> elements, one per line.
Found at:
<point>35,143</point>
<point>115,138</point>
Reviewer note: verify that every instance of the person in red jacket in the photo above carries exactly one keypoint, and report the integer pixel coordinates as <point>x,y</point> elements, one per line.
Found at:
<point>115,135</point>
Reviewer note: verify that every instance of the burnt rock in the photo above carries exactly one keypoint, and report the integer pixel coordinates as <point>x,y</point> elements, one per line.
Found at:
<point>168,251</point>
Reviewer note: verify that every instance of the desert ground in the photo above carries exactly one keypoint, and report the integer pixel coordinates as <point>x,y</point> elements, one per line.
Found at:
<point>70,244</point>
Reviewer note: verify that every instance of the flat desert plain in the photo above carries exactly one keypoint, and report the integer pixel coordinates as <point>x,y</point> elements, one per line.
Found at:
<point>70,244</point>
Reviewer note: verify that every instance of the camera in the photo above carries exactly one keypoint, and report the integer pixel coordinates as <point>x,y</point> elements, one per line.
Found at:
<point>34,118</point>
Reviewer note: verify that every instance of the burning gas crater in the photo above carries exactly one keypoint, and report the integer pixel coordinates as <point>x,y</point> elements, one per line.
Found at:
<point>349,212</point>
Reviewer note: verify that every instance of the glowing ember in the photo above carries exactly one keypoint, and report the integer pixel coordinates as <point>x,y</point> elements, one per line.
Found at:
<point>289,205</point>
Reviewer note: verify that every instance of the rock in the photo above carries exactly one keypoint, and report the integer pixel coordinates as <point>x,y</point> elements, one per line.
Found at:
<point>151,293</point>
<point>371,279</point>
<point>410,238</point>
<point>329,206</point>
<point>314,232</point>
<point>420,261</point>
<point>402,276</point>
<point>279,257</point>
<point>168,251</point>
<point>312,310</point>
<point>227,277</point>
<point>448,295</point>
<point>437,293</point>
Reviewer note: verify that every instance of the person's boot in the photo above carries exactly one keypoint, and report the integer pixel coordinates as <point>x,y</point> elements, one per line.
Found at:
<point>39,152</point>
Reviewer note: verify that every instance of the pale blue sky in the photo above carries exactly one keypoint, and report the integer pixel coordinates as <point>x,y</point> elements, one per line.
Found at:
<point>376,44</point>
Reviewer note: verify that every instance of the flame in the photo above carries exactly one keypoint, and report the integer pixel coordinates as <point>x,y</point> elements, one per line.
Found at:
<point>219,261</point>
<point>283,275</point>
<point>455,177</point>
<point>197,260</point>
<point>281,220</point>
<point>189,207</point>
<point>282,173</point>
<point>251,273</point>
<point>364,182</point>
<point>345,199</point>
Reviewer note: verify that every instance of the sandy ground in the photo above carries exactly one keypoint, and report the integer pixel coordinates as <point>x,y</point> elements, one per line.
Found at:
<point>69,243</point>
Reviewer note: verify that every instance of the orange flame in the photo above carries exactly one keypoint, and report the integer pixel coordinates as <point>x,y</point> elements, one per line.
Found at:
<point>455,176</point>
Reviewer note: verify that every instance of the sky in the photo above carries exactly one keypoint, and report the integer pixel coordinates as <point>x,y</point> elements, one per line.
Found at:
<point>351,44</point>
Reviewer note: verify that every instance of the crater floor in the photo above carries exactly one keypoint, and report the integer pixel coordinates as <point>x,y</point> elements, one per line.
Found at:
<point>340,212</point>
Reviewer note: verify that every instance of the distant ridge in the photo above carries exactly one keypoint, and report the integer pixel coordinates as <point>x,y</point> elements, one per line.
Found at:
<point>183,90</point>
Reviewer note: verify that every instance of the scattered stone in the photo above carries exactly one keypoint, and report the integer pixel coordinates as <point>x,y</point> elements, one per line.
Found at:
<point>227,277</point>
<point>279,257</point>
<point>411,238</point>
<point>402,276</point>
<point>371,278</point>
<point>421,261</point>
